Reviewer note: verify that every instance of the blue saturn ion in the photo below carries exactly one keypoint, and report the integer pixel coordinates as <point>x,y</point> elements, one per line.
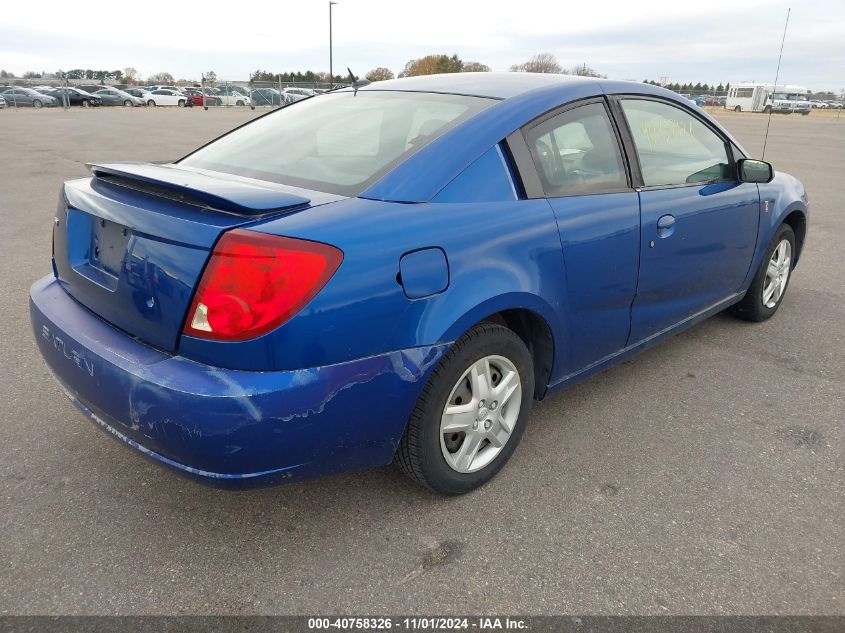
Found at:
<point>395,272</point>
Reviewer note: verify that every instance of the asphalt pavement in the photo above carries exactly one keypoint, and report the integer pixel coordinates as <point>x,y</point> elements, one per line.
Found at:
<point>705,476</point>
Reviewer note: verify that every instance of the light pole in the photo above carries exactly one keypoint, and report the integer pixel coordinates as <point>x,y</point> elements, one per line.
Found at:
<point>331,69</point>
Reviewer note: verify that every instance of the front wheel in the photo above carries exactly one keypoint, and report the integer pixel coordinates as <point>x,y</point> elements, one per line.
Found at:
<point>471,414</point>
<point>151,103</point>
<point>738,109</point>
<point>771,280</point>
<point>37,104</point>
<point>86,104</point>
<point>127,104</point>
<point>181,103</point>
<point>239,103</point>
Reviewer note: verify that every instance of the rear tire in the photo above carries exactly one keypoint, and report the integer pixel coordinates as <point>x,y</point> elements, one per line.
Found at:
<point>181,103</point>
<point>484,384</point>
<point>127,104</point>
<point>151,103</point>
<point>37,104</point>
<point>86,104</point>
<point>771,280</point>
<point>738,109</point>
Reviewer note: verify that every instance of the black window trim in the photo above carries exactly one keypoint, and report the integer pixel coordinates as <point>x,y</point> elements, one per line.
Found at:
<point>622,122</point>
<point>528,170</point>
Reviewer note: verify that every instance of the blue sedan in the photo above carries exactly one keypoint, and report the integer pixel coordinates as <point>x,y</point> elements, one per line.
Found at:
<point>395,272</point>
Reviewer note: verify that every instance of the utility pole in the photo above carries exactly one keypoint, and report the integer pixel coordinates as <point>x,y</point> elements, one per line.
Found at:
<point>331,68</point>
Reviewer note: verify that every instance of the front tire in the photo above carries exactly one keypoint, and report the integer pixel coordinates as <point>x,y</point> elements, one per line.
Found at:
<point>471,414</point>
<point>771,280</point>
<point>181,103</point>
<point>127,104</point>
<point>37,104</point>
<point>239,103</point>
<point>86,104</point>
<point>151,103</point>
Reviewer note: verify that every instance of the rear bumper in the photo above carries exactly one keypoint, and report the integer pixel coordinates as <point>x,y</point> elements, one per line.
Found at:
<point>227,427</point>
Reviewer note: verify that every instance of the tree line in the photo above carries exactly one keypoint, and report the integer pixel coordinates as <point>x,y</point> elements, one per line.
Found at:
<point>692,88</point>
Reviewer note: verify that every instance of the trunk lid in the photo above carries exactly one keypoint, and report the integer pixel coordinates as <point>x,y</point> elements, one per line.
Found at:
<point>131,243</point>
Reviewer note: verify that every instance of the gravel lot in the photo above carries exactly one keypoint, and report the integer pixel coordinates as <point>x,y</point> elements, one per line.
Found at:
<point>703,477</point>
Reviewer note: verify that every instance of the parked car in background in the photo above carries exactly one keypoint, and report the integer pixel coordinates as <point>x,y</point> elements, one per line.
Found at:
<point>2,102</point>
<point>166,97</point>
<point>269,97</point>
<point>818,105</point>
<point>297,94</point>
<point>141,93</point>
<point>17,96</point>
<point>196,96</point>
<point>231,96</point>
<point>325,288</point>
<point>74,97</point>
<point>115,97</point>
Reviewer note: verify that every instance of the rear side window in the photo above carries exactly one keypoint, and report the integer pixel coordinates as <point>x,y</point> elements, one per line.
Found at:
<point>674,147</point>
<point>576,152</point>
<point>340,142</point>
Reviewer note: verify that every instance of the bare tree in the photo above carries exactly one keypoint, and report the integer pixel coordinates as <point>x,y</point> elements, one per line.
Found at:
<point>583,71</point>
<point>475,67</point>
<point>541,63</point>
<point>160,78</point>
<point>380,74</point>
<point>130,75</point>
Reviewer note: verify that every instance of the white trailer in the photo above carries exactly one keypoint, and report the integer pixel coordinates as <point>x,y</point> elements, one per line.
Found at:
<point>754,97</point>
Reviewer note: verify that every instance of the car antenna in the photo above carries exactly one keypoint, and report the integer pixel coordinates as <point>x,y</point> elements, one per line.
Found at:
<point>777,76</point>
<point>357,83</point>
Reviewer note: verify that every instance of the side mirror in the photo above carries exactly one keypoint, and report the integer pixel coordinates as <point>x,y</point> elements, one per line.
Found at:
<point>750,170</point>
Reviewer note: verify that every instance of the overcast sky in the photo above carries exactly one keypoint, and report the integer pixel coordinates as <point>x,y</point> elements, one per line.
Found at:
<point>710,41</point>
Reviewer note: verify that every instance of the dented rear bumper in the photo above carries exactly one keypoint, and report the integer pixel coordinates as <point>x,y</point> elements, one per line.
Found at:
<point>228,427</point>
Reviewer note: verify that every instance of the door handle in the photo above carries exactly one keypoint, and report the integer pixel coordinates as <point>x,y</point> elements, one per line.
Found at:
<point>666,225</point>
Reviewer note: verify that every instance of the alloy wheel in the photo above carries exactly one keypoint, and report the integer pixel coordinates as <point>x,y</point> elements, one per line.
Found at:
<point>777,274</point>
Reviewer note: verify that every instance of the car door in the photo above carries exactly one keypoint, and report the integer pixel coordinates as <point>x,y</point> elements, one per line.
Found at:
<point>698,222</point>
<point>164,97</point>
<point>20,97</point>
<point>578,157</point>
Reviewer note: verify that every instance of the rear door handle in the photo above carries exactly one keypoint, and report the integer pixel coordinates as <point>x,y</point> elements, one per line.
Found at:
<point>666,225</point>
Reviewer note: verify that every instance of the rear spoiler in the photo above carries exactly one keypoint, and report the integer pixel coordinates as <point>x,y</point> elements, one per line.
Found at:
<point>222,193</point>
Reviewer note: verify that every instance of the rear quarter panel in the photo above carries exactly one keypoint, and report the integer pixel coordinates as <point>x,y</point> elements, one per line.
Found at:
<point>501,255</point>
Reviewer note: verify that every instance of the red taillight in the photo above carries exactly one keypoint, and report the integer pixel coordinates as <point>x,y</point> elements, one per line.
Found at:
<point>255,282</point>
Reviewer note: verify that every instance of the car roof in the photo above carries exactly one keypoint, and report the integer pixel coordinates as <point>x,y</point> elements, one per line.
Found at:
<point>500,85</point>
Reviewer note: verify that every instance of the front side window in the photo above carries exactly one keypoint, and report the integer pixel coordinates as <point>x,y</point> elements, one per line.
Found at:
<point>674,147</point>
<point>576,152</point>
<point>339,142</point>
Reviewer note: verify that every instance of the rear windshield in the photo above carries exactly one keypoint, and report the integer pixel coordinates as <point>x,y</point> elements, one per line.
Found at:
<point>340,142</point>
